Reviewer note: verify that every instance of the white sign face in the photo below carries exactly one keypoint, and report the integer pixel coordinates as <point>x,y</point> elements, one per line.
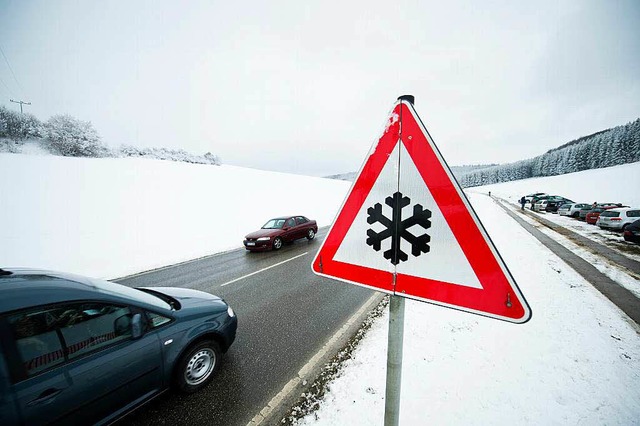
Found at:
<point>446,262</point>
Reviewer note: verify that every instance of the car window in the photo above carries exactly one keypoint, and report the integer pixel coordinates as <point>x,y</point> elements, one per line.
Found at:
<point>273,224</point>
<point>290,222</point>
<point>156,320</point>
<point>48,337</point>
<point>38,343</point>
<point>88,327</point>
<point>300,220</point>
<point>610,214</point>
<point>633,213</point>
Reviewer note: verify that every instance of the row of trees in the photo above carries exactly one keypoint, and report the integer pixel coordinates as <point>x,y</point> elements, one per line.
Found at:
<point>70,137</point>
<point>612,147</point>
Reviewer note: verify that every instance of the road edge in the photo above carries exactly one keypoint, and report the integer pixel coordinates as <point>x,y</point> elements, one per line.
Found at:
<point>279,405</point>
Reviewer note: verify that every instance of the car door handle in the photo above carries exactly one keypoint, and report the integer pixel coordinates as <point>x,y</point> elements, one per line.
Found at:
<point>46,396</point>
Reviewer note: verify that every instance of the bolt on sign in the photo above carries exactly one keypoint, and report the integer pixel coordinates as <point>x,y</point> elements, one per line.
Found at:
<point>406,228</point>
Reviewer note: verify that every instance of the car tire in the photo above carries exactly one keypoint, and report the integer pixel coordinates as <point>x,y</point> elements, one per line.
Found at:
<point>277,243</point>
<point>197,366</point>
<point>311,234</point>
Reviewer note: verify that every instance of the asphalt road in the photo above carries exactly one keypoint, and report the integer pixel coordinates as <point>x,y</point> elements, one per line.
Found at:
<point>285,314</point>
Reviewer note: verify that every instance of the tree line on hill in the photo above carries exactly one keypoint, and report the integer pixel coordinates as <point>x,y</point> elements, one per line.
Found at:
<point>611,147</point>
<point>67,136</point>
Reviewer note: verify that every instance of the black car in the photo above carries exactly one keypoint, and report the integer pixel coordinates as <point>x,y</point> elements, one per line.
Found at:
<point>632,232</point>
<point>78,351</point>
<point>554,202</point>
<point>582,215</point>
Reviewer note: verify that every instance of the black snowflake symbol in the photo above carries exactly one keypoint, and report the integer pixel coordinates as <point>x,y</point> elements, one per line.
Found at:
<point>397,228</point>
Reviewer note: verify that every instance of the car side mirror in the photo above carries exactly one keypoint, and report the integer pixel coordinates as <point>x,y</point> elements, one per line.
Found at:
<point>136,326</point>
<point>122,325</point>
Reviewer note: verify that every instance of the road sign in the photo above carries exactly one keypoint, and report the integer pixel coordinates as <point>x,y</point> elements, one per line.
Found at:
<point>406,228</point>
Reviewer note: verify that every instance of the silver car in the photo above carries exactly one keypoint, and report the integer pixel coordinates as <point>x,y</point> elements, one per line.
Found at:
<point>571,209</point>
<point>618,218</point>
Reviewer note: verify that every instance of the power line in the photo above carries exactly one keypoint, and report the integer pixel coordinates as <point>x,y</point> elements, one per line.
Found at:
<point>9,91</point>
<point>12,73</point>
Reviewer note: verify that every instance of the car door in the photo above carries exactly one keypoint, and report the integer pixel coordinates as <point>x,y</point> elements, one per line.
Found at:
<point>98,369</point>
<point>301,227</point>
<point>290,230</point>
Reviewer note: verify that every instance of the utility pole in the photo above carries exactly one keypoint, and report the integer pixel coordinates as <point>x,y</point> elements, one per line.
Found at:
<point>21,103</point>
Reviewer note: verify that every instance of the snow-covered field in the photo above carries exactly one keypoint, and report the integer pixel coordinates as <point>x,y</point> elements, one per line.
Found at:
<point>112,217</point>
<point>577,361</point>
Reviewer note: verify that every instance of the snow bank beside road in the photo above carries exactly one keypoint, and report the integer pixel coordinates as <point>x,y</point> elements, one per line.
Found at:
<point>111,217</point>
<point>577,361</point>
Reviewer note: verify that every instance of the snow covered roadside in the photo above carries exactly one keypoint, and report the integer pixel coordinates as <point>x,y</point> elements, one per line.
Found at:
<point>577,361</point>
<point>111,217</point>
<point>612,270</point>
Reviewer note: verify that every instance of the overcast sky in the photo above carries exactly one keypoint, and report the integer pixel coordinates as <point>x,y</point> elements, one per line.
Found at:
<point>305,87</point>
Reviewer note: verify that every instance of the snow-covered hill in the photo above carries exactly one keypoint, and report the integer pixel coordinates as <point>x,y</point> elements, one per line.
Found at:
<point>111,217</point>
<point>619,184</point>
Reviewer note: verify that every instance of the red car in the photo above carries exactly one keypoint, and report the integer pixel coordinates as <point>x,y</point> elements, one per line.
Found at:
<point>592,216</point>
<point>280,230</point>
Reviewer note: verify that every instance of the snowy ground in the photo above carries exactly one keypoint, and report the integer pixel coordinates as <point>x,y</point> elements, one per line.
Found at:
<point>577,361</point>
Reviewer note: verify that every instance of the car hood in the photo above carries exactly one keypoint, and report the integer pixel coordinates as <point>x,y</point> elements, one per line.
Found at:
<point>187,296</point>
<point>265,233</point>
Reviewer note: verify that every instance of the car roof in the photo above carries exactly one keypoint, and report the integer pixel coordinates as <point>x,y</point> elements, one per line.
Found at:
<point>623,209</point>
<point>22,288</point>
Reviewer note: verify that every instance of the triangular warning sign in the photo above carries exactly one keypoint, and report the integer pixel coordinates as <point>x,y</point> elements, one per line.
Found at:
<point>406,228</point>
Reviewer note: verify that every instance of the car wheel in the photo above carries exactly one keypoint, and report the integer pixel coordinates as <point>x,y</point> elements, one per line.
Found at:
<point>311,234</point>
<point>195,369</point>
<point>277,243</point>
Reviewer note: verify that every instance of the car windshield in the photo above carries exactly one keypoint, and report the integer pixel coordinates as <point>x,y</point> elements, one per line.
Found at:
<point>274,224</point>
<point>133,293</point>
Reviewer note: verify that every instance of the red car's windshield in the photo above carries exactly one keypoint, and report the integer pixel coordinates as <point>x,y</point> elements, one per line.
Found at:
<point>274,224</point>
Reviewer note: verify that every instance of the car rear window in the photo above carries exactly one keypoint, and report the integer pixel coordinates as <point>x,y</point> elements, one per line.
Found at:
<point>610,214</point>
<point>633,213</point>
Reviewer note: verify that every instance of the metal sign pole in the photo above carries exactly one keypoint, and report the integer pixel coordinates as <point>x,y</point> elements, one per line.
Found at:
<point>394,361</point>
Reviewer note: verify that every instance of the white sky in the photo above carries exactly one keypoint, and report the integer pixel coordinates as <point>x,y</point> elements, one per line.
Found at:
<point>305,88</point>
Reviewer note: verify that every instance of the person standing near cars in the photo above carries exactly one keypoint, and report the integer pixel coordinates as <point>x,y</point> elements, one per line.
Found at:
<point>523,201</point>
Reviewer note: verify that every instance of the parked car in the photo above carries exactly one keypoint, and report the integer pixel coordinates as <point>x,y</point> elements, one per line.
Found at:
<point>539,206</point>
<point>582,215</point>
<point>618,218</point>
<point>527,198</point>
<point>571,209</point>
<point>76,350</point>
<point>592,217</point>
<point>632,232</point>
<point>586,210</point>
<point>537,198</point>
<point>554,202</point>
<point>280,230</point>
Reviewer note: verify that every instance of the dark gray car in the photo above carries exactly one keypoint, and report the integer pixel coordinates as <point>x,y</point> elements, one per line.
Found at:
<point>76,350</point>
